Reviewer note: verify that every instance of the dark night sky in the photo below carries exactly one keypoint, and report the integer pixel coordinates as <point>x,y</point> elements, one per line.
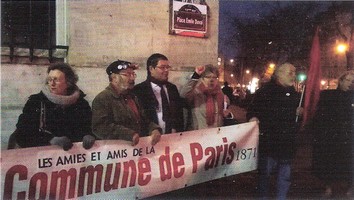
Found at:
<point>239,9</point>
<point>245,10</point>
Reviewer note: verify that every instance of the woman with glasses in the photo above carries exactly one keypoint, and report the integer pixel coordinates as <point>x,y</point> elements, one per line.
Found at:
<point>206,99</point>
<point>58,115</point>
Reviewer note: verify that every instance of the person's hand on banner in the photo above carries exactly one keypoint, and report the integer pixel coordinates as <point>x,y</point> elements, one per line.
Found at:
<point>155,136</point>
<point>135,139</point>
<point>228,114</point>
<point>254,119</point>
<point>63,142</point>
<point>88,141</point>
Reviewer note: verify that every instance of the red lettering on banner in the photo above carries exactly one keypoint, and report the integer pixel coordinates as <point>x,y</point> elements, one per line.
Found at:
<point>114,185</point>
<point>196,154</point>
<point>9,181</point>
<point>213,153</point>
<point>42,178</point>
<point>165,165</point>
<point>178,161</point>
<point>231,153</point>
<point>63,176</point>
<point>38,184</point>
<point>209,163</point>
<point>90,170</point>
<point>129,165</point>
<point>144,167</point>
<point>226,147</point>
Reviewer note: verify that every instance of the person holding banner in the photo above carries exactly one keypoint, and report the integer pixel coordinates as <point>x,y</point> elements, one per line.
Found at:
<point>116,113</point>
<point>275,107</point>
<point>333,137</point>
<point>58,115</point>
<point>160,98</point>
<point>207,101</point>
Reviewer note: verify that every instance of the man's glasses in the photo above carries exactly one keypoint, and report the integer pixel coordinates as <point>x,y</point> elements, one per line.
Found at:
<point>132,75</point>
<point>164,67</point>
<point>210,77</point>
<point>55,80</point>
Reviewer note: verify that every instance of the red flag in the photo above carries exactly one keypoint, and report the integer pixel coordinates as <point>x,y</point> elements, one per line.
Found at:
<point>313,86</point>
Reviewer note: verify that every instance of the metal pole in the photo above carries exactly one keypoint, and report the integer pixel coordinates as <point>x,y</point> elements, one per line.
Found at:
<point>302,96</point>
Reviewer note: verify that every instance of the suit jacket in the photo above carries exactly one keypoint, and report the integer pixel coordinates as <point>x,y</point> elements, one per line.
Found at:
<point>149,103</point>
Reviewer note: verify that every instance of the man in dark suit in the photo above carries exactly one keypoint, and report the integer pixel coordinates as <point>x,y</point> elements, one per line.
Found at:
<point>160,99</point>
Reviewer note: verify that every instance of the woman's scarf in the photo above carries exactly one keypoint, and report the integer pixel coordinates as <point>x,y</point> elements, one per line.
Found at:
<point>211,97</point>
<point>61,99</point>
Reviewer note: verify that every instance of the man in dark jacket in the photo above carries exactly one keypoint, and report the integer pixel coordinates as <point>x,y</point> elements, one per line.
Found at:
<point>275,106</point>
<point>333,135</point>
<point>160,99</point>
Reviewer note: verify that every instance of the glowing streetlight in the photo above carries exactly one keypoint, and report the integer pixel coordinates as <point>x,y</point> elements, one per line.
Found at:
<point>232,60</point>
<point>341,48</point>
<point>323,82</point>
<point>232,75</point>
<point>248,71</point>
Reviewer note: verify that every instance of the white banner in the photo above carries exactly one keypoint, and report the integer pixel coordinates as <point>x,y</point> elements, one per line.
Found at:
<point>114,169</point>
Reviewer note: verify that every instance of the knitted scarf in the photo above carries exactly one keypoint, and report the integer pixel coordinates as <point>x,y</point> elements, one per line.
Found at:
<point>61,99</point>
<point>211,97</point>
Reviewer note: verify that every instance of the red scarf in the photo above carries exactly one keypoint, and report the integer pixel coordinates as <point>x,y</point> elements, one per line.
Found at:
<point>133,107</point>
<point>210,109</point>
<point>211,97</point>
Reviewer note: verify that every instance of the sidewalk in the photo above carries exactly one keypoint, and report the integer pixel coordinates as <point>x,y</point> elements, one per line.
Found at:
<point>243,186</point>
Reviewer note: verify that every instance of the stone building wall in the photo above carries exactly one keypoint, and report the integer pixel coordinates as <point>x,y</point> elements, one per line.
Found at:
<point>100,32</point>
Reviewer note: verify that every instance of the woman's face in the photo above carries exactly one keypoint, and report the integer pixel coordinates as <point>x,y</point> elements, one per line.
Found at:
<point>57,82</point>
<point>347,83</point>
<point>210,80</point>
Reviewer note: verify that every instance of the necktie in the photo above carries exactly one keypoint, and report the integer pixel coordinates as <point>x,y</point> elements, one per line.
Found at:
<point>210,110</point>
<point>165,105</point>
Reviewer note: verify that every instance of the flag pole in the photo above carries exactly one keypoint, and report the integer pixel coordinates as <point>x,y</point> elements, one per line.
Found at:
<point>302,96</point>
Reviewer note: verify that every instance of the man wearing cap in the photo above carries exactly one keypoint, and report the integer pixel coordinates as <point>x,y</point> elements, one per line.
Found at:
<point>116,113</point>
<point>160,98</point>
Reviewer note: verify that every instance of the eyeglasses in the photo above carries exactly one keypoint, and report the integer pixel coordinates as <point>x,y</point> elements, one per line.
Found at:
<point>164,67</point>
<point>55,80</point>
<point>210,77</point>
<point>130,75</point>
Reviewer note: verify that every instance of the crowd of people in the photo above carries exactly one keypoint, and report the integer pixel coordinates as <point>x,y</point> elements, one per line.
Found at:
<point>59,115</point>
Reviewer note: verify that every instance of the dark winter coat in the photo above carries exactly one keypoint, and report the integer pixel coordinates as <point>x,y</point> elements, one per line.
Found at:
<point>332,131</point>
<point>275,107</point>
<point>73,121</point>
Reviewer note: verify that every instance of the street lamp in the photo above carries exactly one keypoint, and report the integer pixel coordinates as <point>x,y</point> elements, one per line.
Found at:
<point>341,48</point>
